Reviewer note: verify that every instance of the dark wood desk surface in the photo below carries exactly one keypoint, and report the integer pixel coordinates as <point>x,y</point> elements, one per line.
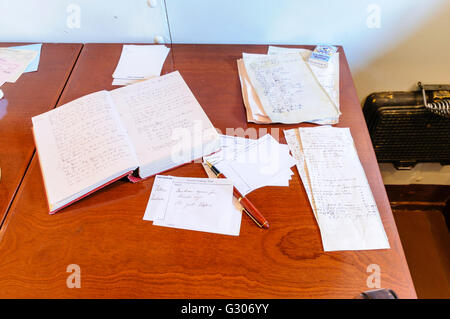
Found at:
<point>121,255</point>
<point>32,94</point>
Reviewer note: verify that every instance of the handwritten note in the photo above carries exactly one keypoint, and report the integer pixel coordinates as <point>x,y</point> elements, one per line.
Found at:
<point>254,109</point>
<point>13,63</point>
<point>287,89</point>
<point>338,189</point>
<point>199,204</point>
<point>81,145</point>
<point>293,139</point>
<point>327,77</point>
<point>166,124</point>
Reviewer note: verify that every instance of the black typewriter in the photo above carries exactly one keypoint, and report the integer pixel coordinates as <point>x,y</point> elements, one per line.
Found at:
<point>410,127</point>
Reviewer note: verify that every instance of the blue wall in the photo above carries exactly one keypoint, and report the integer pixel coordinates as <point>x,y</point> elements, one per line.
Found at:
<point>301,22</point>
<point>390,44</point>
<point>82,21</point>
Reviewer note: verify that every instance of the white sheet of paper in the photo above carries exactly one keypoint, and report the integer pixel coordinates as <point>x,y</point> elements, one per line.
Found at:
<point>293,139</point>
<point>253,164</point>
<point>117,81</point>
<point>327,77</point>
<point>200,204</point>
<point>287,89</point>
<point>345,209</point>
<point>159,197</point>
<point>141,61</point>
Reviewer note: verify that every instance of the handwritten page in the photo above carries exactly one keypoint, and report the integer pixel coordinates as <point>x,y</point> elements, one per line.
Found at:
<point>139,62</point>
<point>288,90</point>
<point>166,124</point>
<point>255,111</point>
<point>200,204</point>
<point>81,145</point>
<point>13,63</point>
<point>237,206</point>
<point>253,164</point>
<point>293,139</point>
<point>33,66</point>
<point>327,77</point>
<point>345,209</point>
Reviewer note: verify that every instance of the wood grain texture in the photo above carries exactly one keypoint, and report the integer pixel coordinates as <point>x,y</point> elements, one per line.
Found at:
<point>32,94</point>
<point>121,255</point>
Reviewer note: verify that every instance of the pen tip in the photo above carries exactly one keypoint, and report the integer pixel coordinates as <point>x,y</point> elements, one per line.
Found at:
<point>266,225</point>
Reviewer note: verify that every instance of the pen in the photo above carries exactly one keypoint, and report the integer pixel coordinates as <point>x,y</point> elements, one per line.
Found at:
<point>247,206</point>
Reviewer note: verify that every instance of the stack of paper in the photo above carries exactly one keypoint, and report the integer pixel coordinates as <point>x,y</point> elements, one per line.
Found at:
<point>139,62</point>
<point>200,204</point>
<point>252,164</point>
<point>337,188</point>
<point>282,87</point>
<point>13,63</point>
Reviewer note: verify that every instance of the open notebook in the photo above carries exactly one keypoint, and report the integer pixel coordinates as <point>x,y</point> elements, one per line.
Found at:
<point>145,128</point>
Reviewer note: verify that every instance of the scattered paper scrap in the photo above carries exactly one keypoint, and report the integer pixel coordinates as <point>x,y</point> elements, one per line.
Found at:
<point>13,63</point>
<point>252,164</point>
<point>139,62</point>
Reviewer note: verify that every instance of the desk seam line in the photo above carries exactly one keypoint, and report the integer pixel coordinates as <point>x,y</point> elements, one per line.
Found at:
<point>2,222</point>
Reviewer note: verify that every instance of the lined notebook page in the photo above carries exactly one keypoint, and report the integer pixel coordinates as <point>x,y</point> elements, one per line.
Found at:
<point>81,145</point>
<point>166,124</point>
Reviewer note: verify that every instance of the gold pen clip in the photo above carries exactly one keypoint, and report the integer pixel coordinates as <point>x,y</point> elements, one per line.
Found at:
<point>253,218</point>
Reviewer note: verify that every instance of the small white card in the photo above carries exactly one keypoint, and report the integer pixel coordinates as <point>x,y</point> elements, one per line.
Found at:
<point>200,204</point>
<point>139,62</point>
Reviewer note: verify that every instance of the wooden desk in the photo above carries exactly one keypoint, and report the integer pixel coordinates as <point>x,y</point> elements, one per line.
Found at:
<point>121,255</point>
<point>32,94</point>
